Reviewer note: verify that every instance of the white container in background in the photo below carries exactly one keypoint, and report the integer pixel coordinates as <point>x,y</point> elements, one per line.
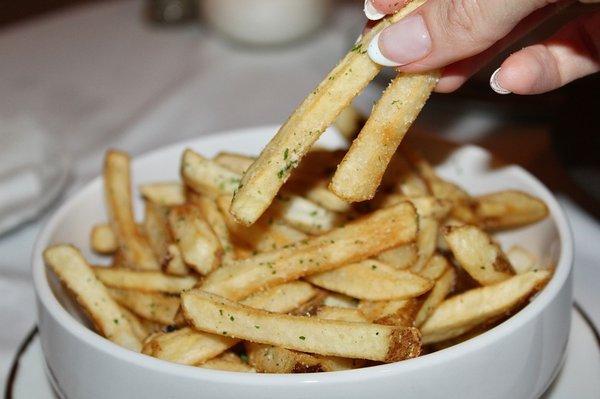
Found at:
<point>265,22</point>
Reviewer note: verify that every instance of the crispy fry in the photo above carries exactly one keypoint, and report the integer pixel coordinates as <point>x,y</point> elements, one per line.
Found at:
<point>509,209</point>
<point>218,315</point>
<point>337,313</point>
<point>199,246</point>
<point>143,281</point>
<point>237,163</point>
<point>385,228</point>
<point>264,235</point>
<point>173,262</point>
<point>138,326</point>
<point>187,346</point>
<point>521,259</point>
<point>156,227</point>
<point>426,242</point>
<point>401,257</point>
<point>478,254</point>
<point>228,361</point>
<point>103,240</point>
<point>216,221</point>
<point>264,178</point>
<point>273,359</point>
<point>207,177</point>
<point>77,276</point>
<point>154,306</point>
<point>305,215</point>
<point>135,249</point>
<point>360,172</point>
<point>164,194</point>
<point>372,280</point>
<point>435,267</point>
<point>463,312</point>
<point>443,286</point>
<point>401,312</point>
<point>338,300</point>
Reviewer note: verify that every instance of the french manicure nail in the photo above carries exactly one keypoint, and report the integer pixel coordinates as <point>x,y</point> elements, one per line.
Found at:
<point>371,12</point>
<point>377,56</point>
<point>406,41</point>
<point>495,85</point>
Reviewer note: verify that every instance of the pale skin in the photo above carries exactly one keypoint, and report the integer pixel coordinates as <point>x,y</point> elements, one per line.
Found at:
<point>462,36</point>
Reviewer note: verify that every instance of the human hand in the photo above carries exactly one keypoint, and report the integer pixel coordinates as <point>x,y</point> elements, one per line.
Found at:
<point>463,35</point>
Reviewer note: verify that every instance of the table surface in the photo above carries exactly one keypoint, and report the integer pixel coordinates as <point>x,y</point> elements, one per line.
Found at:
<point>98,77</point>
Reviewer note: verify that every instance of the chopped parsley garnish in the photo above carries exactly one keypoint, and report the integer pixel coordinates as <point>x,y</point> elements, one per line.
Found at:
<point>302,337</point>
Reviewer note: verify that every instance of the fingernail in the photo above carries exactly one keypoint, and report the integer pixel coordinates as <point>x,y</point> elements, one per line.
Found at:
<point>371,12</point>
<point>495,85</point>
<point>402,43</point>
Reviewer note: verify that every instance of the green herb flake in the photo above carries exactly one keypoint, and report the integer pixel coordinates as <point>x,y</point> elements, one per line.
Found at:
<point>302,337</point>
<point>286,153</point>
<point>231,318</point>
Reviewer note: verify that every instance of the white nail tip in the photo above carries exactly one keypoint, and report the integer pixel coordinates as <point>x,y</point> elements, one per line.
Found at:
<point>371,12</point>
<point>377,56</point>
<point>495,85</point>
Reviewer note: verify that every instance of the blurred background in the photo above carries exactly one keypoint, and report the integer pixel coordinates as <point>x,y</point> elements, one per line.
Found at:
<point>79,76</point>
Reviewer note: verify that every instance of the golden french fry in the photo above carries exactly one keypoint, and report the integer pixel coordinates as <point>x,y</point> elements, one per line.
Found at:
<point>384,228</point>
<point>264,178</point>
<point>360,172</point>
<point>371,280</point>
<point>206,176</point>
<point>273,359</point>
<point>435,267</point>
<point>164,194</point>
<point>401,257</point>
<point>521,259</point>
<point>153,306</point>
<point>199,246</point>
<point>103,240</point>
<point>217,315</point>
<point>461,313</point>
<point>477,254</point>
<point>216,221</point>
<point>338,313</point>
<point>237,163</point>
<point>509,209</point>
<point>349,122</point>
<point>426,242</point>
<point>138,326</point>
<point>173,262</point>
<point>443,286</point>
<point>146,281</point>
<point>156,227</point>
<point>228,361</point>
<point>134,247</point>
<point>188,346</point>
<point>338,300</point>
<point>305,215</point>
<point>401,312</point>
<point>79,279</point>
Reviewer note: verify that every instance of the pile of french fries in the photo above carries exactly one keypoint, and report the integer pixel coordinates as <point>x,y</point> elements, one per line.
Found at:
<point>316,284</point>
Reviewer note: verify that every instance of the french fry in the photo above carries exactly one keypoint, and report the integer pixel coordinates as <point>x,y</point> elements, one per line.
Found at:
<point>273,359</point>
<point>477,254</point>
<point>216,221</point>
<point>103,240</point>
<point>401,312</point>
<point>208,178</point>
<point>344,314</point>
<point>371,280</point>
<point>443,286</point>
<point>137,325</point>
<point>521,259</point>
<point>360,172</point>
<point>338,300</point>
<point>199,246</point>
<point>264,178</point>
<point>509,209</point>
<point>167,194</point>
<point>188,346</point>
<point>349,122</point>
<point>156,227</point>
<point>146,281</point>
<point>426,242</point>
<point>154,306</point>
<point>461,313</point>
<point>265,235</point>
<point>217,315</point>
<point>228,361</point>
<point>385,228</point>
<point>237,163</point>
<point>173,262</point>
<point>435,267</point>
<point>135,249</point>
<point>401,257</point>
<point>79,279</point>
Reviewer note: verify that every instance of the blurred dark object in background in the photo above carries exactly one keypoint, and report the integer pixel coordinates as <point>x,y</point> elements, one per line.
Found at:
<point>171,12</point>
<point>12,11</point>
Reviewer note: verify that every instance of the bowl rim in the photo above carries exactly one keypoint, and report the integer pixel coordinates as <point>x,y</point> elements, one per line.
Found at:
<point>50,303</point>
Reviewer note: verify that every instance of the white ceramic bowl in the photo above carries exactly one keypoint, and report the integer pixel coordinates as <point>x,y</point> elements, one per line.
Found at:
<point>516,359</point>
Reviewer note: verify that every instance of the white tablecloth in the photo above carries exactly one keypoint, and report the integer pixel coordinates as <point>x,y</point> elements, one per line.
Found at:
<point>99,77</point>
